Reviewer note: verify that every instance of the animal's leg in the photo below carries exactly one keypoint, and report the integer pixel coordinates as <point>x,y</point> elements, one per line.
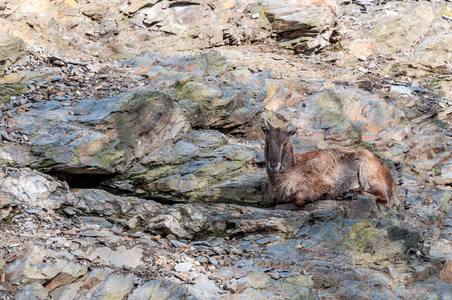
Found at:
<point>299,199</point>
<point>379,195</point>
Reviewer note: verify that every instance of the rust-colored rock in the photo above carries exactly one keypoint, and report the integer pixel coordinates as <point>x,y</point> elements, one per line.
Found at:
<point>446,272</point>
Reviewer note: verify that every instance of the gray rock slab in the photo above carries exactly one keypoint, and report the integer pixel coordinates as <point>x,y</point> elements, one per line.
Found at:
<point>160,289</point>
<point>11,49</point>
<point>401,89</point>
<point>115,286</point>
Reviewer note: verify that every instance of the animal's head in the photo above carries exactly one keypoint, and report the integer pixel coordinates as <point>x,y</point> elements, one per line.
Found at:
<point>278,149</point>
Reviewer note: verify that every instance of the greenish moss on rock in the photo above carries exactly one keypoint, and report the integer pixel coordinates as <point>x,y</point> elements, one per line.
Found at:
<point>325,281</point>
<point>257,279</point>
<point>300,280</point>
<point>328,114</point>
<point>443,85</point>
<point>9,90</point>
<point>372,245</point>
<point>207,139</point>
<point>213,63</point>
<point>11,49</point>
<point>155,173</point>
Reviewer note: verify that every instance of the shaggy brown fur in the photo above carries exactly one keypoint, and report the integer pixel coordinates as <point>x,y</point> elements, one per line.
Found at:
<point>323,173</point>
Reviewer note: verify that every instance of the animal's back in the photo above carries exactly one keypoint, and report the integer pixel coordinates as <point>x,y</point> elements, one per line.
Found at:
<point>326,173</point>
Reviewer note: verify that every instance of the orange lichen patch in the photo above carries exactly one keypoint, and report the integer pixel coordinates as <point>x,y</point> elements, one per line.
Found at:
<point>355,112</point>
<point>275,104</point>
<point>362,48</point>
<point>446,273</point>
<point>294,86</point>
<point>94,147</point>
<point>318,136</point>
<point>372,127</point>
<point>328,85</point>
<point>60,280</point>
<point>275,94</point>
<point>369,136</point>
<point>293,100</point>
<point>142,70</point>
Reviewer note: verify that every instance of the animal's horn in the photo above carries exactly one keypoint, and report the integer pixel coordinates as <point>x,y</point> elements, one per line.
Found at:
<point>266,126</point>
<point>270,126</point>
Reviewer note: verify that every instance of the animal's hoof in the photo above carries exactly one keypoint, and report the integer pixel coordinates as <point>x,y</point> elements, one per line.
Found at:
<point>299,201</point>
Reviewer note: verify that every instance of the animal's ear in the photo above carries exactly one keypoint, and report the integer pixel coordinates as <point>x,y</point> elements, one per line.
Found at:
<point>264,129</point>
<point>293,132</point>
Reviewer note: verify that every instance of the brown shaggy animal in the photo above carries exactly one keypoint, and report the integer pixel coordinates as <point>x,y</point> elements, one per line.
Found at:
<point>323,173</point>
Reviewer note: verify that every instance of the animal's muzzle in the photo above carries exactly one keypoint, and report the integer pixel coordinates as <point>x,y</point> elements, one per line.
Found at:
<point>274,166</point>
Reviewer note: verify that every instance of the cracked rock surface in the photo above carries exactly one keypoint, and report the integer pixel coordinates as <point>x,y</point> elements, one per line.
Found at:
<point>132,162</point>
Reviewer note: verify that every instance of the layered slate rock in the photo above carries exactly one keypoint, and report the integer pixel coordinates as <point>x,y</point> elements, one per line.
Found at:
<point>399,31</point>
<point>60,243</point>
<point>303,28</point>
<point>108,28</point>
<point>204,166</point>
<point>167,140</point>
<point>190,220</point>
<point>331,248</point>
<point>425,30</point>
<point>11,49</point>
<point>99,136</point>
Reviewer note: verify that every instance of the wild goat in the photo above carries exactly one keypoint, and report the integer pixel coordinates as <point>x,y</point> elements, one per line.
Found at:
<point>322,173</point>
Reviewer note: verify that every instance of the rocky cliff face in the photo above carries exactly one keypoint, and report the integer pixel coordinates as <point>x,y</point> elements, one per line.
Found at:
<point>132,159</point>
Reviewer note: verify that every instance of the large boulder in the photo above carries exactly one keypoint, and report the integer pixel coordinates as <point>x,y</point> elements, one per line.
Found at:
<point>303,28</point>
<point>339,116</point>
<point>423,30</point>
<point>145,134</point>
<point>30,186</point>
<point>435,50</point>
<point>204,166</point>
<point>100,136</point>
<point>398,32</point>
<point>11,49</point>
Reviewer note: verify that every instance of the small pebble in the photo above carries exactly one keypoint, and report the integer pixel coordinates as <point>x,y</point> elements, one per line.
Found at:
<point>213,261</point>
<point>56,78</point>
<point>183,267</point>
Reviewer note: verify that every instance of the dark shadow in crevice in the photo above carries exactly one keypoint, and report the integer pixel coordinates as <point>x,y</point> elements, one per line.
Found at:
<point>82,181</point>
